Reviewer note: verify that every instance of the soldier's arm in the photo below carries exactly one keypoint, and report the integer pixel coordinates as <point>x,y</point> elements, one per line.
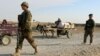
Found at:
<point>29,16</point>
<point>93,23</point>
<point>85,26</point>
<point>19,21</point>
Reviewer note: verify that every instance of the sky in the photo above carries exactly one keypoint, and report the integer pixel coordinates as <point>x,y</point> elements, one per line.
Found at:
<point>75,11</point>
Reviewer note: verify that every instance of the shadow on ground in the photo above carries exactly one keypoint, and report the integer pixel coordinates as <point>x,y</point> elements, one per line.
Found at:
<point>44,37</point>
<point>5,54</point>
<point>21,54</point>
<point>27,54</point>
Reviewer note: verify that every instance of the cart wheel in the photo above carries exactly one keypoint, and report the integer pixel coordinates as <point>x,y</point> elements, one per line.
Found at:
<point>6,40</point>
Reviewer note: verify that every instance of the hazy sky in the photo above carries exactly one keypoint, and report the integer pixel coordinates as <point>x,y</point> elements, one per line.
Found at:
<point>49,10</point>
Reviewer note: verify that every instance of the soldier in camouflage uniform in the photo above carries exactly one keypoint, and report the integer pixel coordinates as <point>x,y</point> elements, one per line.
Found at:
<point>24,26</point>
<point>89,28</point>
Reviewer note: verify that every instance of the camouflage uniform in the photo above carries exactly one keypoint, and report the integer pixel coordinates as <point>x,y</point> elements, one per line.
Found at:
<point>25,30</point>
<point>89,27</point>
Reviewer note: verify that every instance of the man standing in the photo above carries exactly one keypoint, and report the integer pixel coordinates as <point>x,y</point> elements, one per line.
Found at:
<point>89,28</point>
<point>25,29</point>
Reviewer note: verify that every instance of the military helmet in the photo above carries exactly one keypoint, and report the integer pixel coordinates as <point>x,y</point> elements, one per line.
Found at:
<point>25,4</point>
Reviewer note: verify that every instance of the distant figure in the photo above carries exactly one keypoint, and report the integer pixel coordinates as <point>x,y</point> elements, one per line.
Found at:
<point>4,22</point>
<point>59,23</point>
<point>89,28</point>
<point>24,27</point>
<point>59,26</point>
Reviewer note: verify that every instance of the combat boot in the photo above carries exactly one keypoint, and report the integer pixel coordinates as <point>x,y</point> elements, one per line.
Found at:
<point>35,47</point>
<point>35,52</point>
<point>17,53</point>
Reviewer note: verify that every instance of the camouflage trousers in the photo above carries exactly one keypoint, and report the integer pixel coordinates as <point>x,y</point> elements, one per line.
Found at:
<point>90,33</point>
<point>25,35</point>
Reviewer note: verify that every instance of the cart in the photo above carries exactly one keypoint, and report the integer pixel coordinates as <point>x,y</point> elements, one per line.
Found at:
<point>6,32</point>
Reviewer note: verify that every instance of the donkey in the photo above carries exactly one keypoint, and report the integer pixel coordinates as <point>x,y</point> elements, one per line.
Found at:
<point>44,30</point>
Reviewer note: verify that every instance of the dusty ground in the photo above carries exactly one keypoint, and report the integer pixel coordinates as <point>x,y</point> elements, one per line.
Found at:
<point>61,46</point>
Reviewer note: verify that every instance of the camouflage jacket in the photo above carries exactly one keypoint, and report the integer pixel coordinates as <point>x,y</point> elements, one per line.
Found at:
<point>24,20</point>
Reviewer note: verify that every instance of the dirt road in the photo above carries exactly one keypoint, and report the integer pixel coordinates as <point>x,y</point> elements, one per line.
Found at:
<point>61,46</point>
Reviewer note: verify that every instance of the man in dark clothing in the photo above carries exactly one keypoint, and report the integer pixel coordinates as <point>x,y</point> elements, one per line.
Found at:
<point>24,29</point>
<point>57,23</point>
<point>89,28</point>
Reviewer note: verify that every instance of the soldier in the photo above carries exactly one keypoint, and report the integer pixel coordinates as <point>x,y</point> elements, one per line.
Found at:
<point>89,28</point>
<point>24,26</point>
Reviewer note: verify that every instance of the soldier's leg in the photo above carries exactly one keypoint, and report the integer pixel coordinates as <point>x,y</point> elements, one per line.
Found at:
<point>20,44</point>
<point>91,37</point>
<point>85,37</point>
<point>31,41</point>
<point>18,47</point>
